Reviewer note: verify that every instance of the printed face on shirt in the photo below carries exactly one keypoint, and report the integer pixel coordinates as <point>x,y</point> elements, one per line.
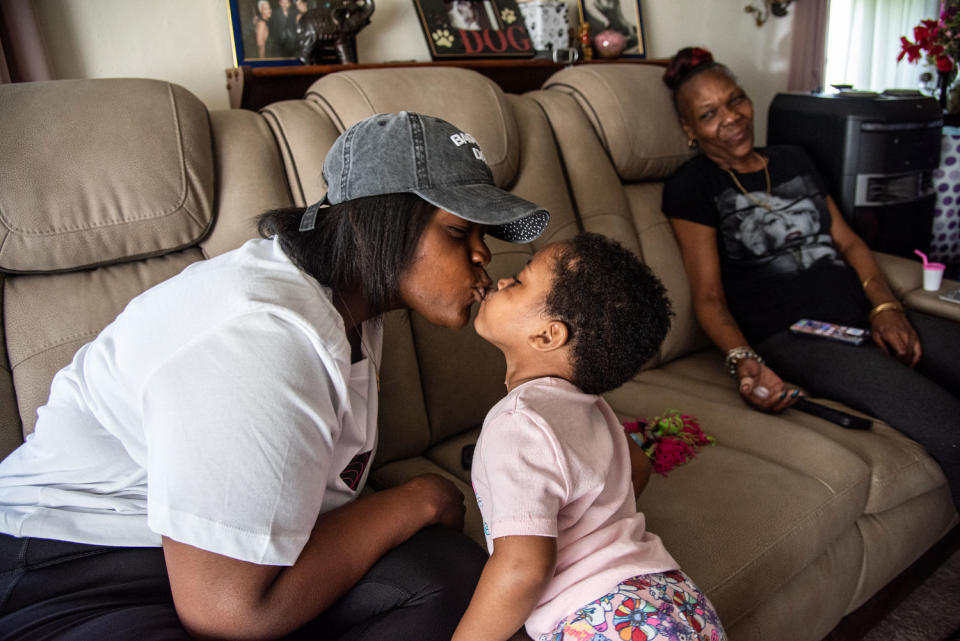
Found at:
<point>717,112</point>
<point>509,314</point>
<point>763,231</point>
<point>447,273</point>
<point>788,238</point>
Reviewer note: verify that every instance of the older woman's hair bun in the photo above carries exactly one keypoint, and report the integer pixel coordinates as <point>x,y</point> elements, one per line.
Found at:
<point>687,62</point>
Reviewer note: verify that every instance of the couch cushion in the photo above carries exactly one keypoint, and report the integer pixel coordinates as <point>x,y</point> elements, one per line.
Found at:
<point>823,588</point>
<point>250,178</point>
<point>628,213</point>
<point>402,419</point>
<point>99,171</point>
<point>596,189</point>
<point>660,251</point>
<point>48,317</point>
<point>304,134</point>
<point>900,469</point>
<point>632,113</point>
<point>756,508</point>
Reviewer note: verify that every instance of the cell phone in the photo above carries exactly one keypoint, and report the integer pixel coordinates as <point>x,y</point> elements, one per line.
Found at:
<point>830,331</point>
<point>951,297</point>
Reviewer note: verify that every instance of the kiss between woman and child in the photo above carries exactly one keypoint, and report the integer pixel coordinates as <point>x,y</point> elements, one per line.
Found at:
<point>555,476</point>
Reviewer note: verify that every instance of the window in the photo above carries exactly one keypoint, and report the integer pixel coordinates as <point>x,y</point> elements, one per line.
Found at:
<point>863,40</point>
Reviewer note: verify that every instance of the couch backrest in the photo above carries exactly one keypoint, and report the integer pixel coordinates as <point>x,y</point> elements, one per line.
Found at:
<point>109,187</point>
<point>619,139</point>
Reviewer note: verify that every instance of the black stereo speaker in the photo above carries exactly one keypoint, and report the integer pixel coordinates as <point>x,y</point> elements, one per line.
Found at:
<point>877,153</point>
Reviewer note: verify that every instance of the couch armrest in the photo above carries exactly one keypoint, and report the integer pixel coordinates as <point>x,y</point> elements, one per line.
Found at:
<point>906,280</point>
<point>928,303</point>
<point>903,274</point>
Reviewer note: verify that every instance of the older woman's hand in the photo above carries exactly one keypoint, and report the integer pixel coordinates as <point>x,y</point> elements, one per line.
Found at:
<point>893,334</point>
<point>763,389</point>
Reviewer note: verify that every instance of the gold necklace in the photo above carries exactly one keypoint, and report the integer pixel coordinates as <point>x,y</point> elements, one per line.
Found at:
<point>766,172</point>
<point>363,343</point>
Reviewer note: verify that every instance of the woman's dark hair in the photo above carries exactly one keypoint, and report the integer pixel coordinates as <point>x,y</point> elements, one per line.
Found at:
<point>616,310</point>
<point>687,63</point>
<point>366,242</point>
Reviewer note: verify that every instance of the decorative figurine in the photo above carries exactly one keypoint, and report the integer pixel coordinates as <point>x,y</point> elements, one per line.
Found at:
<point>585,47</point>
<point>332,26</point>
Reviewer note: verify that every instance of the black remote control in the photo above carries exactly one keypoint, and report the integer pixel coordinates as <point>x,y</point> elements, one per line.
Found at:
<point>834,416</point>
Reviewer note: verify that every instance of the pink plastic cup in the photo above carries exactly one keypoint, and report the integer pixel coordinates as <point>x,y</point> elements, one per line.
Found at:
<point>933,276</point>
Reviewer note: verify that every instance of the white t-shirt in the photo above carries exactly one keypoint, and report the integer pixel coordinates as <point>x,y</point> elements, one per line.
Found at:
<point>553,461</point>
<point>220,409</point>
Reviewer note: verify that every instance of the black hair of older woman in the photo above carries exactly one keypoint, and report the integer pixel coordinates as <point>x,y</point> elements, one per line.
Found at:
<point>687,63</point>
<point>366,242</point>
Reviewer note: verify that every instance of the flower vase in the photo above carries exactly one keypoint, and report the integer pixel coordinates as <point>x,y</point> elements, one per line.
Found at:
<point>947,91</point>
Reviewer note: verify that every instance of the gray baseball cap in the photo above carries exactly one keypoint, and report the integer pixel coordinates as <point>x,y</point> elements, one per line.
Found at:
<point>411,153</point>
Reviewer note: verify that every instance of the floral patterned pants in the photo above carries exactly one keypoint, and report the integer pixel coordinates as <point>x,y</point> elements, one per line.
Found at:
<point>651,607</point>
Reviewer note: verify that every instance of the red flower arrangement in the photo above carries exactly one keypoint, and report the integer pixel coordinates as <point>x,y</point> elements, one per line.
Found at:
<point>668,440</point>
<point>937,41</point>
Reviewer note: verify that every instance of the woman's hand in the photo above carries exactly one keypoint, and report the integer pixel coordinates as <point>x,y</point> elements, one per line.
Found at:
<point>763,389</point>
<point>440,497</point>
<point>893,334</point>
<point>220,597</point>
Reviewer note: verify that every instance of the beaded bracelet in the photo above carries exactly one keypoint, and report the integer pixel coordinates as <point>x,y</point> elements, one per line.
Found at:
<point>737,354</point>
<point>890,305</point>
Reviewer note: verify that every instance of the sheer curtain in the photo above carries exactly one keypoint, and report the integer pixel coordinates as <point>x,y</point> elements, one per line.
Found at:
<point>22,54</point>
<point>863,40</point>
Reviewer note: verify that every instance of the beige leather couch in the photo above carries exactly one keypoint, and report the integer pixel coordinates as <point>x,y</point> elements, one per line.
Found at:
<point>110,186</point>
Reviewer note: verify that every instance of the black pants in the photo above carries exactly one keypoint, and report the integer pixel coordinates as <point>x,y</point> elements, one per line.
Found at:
<point>922,402</point>
<point>76,592</point>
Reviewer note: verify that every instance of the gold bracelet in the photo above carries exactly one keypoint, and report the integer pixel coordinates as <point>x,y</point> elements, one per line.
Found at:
<point>867,282</point>
<point>890,305</point>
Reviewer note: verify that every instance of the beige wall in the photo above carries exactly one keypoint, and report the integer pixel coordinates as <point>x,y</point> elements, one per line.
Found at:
<point>189,41</point>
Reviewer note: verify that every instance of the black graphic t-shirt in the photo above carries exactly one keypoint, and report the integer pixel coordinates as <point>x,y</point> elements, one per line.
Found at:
<point>778,264</point>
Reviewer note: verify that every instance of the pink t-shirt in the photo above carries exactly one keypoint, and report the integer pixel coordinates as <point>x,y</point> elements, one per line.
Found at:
<point>553,461</point>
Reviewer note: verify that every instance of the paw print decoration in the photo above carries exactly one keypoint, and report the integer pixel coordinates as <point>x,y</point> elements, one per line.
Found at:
<point>442,38</point>
<point>508,16</point>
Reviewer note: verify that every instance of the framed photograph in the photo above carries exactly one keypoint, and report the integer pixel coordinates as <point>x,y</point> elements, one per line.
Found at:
<point>622,16</point>
<point>265,31</point>
<point>474,29</point>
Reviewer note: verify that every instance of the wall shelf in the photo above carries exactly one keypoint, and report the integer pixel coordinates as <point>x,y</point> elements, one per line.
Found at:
<point>255,87</point>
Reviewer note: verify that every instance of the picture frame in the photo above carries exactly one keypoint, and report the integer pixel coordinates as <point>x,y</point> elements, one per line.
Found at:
<point>474,29</point>
<point>283,49</point>
<point>623,16</point>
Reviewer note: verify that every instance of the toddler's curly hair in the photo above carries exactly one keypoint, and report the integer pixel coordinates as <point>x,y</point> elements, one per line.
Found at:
<point>616,310</point>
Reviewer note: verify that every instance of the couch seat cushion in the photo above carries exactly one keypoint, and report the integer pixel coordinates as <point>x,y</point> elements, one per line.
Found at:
<point>756,508</point>
<point>900,469</point>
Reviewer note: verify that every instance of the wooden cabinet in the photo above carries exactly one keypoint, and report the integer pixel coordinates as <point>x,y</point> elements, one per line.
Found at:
<point>256,87</point>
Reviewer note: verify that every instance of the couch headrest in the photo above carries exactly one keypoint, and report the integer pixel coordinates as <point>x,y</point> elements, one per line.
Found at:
<point>462,97</point>
<point>101,171</point>
<point>632,113</point>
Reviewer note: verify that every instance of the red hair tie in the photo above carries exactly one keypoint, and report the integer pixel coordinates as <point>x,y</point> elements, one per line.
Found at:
<point>698,56</point>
